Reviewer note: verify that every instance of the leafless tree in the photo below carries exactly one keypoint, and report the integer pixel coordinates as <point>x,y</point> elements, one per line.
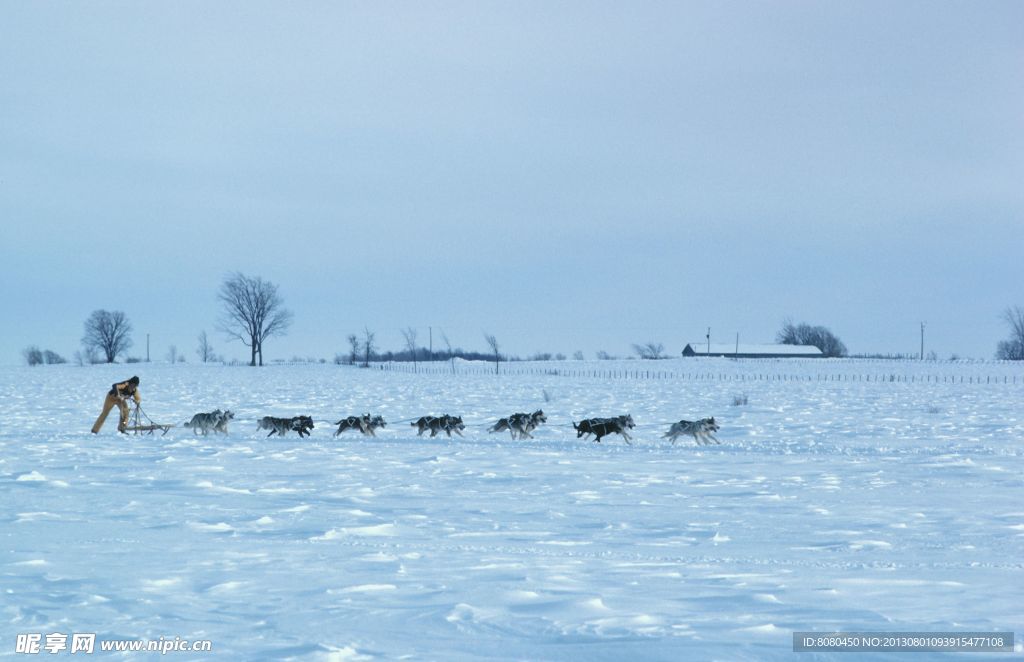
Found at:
<point>1012,349</point>
<point>205,350</point>
<point>32,355</point>
<point>492,342</point>
<point>410,344</point>
<point>253,311</point>
<point>172,354</point>
<point>353,343</point>
<point>368,346</point>
<point>448,344</point>
<point>107,332</point>
<point>805,334</point>
<point>650,350</point>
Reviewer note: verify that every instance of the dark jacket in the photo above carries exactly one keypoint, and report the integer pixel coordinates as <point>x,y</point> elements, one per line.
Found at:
<point>125,390</point>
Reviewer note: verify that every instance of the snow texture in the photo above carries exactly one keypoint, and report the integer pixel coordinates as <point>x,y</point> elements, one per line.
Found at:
<point>830,505</point>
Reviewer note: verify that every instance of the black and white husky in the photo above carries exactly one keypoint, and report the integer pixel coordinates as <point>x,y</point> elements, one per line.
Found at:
<point>435,424</point>
<point>520,424</point>
<point>215,420</point>
<point>701,430</point>
<point>600,427</point>
<point>365,424</point>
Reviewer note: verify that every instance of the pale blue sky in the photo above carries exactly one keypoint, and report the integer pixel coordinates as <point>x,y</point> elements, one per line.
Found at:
<point>565,175</point>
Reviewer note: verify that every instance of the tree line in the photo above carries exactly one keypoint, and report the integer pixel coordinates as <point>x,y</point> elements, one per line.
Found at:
<point>252,311</point>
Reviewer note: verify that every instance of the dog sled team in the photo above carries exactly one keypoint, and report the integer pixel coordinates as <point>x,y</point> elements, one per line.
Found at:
<point>520,424</point>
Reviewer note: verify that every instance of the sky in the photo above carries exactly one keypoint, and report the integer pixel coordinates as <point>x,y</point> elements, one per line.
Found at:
<point>567,176</point>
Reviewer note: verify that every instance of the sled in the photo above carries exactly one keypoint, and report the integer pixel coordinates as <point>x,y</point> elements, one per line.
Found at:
<point>148,429</point>
<point>137,426</point>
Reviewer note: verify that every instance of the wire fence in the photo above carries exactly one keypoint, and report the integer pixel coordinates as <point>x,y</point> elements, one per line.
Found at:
<point>590,373</point>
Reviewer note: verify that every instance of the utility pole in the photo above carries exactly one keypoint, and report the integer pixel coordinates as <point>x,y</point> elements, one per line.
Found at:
<point>737,344</point>
<point>147,348</point>
<point>922,341</point>
<point>431,342</point>
<point>709,341</point>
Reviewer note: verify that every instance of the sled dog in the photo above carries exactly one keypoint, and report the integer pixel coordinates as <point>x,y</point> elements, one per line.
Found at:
<point>527,423</point>
<point>223,420</point>
<point>204,421</point>
<point>365,424</point>
<point>435,424</point>
<point>279,426</point>
<point>302,425</point>
<point>702,430</point>
<point>520,424</point>
<point>600,427</point>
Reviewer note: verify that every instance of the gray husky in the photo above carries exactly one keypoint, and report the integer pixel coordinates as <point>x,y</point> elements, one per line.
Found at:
<point>702,431</point>
<point>520,424</point>
<point>222,422</point>
<point>205,421</point>
<point>279,426</point>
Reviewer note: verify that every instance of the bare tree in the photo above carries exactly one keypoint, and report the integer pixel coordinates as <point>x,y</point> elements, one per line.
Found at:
<point>51,357</point>
<point>205,350</point>
<point>447,344</point>
<point>1012,349</point>
<point>253,311</point>
<point>32,355</point>
<point>410,343</point>
<point>172,354</point>
<point>492,342</point>
<point>650,350</point>
<point>368,346</point>
<point>805,334</point>
<point>353,343</point>
<point>107,332</point>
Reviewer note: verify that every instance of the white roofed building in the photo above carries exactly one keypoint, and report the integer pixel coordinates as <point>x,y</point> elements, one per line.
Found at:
<point>752,351</point>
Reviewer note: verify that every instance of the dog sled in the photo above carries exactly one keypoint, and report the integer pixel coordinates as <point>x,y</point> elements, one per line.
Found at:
<point>140,423</point>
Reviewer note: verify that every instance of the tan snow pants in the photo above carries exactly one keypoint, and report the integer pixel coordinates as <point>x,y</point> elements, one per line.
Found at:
<point>108,404</point>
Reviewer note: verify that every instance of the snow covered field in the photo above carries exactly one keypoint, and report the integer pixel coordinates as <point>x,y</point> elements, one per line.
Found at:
<point>830,505</point>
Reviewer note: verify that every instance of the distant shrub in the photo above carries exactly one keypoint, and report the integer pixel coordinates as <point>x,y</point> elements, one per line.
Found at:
<point>805,334</point>
<point>650,350</point>
<point>32,355</point>
<point>739,400</point>
<point>53,358</point>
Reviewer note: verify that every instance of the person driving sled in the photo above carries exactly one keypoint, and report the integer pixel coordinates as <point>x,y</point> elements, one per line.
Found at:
<point>118,395</point>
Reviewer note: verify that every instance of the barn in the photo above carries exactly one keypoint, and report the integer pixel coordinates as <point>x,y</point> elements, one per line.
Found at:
<point>752,351</point>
